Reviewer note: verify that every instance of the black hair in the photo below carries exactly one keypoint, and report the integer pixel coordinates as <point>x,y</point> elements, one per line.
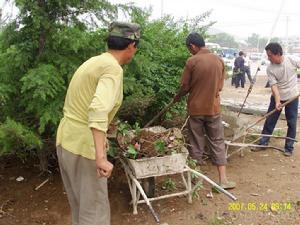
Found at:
<point>241,53</point>
<point>275,48</point>
<point>119,43</point>
<point>195,39</point>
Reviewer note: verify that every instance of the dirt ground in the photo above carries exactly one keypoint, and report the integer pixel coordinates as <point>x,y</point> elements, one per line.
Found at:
<point>267,189</point>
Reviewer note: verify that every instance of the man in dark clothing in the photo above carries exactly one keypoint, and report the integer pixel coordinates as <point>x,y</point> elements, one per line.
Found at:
<point>203,79</point>
<point>239,70</point>
<point>233,74</point>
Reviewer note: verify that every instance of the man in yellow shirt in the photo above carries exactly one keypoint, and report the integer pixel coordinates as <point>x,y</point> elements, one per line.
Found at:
<point>94,96</point>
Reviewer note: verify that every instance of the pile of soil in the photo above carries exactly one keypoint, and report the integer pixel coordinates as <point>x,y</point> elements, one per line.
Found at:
<point>151,142</point>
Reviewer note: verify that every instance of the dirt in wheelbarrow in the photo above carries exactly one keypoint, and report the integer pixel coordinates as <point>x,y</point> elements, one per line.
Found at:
<point>267,190</point>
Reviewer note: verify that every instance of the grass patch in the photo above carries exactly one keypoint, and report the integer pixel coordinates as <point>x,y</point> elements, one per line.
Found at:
<point>219,221</point>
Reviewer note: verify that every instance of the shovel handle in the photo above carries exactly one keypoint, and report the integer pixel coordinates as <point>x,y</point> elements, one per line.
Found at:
<point>163,111</point>
<point>271,112</point>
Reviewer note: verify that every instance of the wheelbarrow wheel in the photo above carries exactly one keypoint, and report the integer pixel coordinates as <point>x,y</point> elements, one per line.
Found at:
<point>148,185</point>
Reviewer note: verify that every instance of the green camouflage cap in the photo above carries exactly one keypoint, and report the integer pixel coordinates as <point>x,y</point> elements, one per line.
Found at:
<point>125,30</point>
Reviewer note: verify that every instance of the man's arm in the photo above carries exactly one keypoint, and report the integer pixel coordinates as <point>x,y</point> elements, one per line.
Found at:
<point>223,77</point>
<point>101,106</point>
<point>295,61</point>
<point>276,95</point>
<point>184,89</point>
<point>185,84</point>
<point>104,167</point>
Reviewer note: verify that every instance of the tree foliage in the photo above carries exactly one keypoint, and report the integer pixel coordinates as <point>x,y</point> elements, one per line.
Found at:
<point>41,49</point>
<point>39,52</point>
<point>224,40</point>
<point>259,43</point>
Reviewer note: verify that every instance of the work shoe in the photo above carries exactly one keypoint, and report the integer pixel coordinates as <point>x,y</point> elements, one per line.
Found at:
<point>228,185</point>
<point>288,153</point>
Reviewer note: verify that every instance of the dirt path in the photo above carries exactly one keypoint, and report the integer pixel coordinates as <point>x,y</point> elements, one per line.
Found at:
<point>266,181</point>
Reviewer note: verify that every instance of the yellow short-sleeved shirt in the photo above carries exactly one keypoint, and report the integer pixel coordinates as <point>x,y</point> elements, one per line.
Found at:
<point>94,96</point>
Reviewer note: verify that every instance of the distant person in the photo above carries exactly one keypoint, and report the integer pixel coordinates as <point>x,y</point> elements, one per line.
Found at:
<point>94,96</point>
<point>239,70</point>
<point>282,76</point>
<point>247,68</point>
<point>233,74</point>
<point>203,79</point>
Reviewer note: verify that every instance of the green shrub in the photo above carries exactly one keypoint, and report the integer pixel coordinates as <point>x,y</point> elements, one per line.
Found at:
<point>42,48</point>
<point>16,138</point>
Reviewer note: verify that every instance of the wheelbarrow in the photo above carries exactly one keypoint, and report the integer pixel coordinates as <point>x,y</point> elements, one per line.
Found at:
<point>136,170</point>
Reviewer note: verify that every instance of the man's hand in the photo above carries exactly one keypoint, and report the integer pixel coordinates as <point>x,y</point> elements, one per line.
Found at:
<point>278,106</point>
<point>104,167</point>
<point>176,98</point>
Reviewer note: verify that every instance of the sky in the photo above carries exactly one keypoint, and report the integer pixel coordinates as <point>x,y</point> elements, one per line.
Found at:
<point>239,18</point>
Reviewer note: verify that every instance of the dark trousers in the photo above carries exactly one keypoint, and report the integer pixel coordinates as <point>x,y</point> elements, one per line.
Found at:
<point>291,113</point>
<point>233,80</point>
<point>240,80</point>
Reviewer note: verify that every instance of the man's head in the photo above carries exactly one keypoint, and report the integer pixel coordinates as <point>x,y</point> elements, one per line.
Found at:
<point>194,42</point>
<point>241,53</point>
<point>274,52</point>
<point>124,37</point>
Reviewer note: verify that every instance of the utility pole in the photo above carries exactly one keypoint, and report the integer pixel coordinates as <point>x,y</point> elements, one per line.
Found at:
<point>287,35</point>
<point>161,8</point>
<point>4,16</point>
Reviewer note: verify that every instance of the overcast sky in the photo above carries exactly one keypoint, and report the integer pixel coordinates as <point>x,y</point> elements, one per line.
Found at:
<point>240,18</point>
<point>237,17</point>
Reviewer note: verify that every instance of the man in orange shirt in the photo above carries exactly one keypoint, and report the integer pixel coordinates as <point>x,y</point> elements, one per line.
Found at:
<point>203,79</point>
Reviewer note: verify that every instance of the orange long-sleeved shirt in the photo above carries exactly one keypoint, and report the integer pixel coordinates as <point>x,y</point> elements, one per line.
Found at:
<point>203,76</point>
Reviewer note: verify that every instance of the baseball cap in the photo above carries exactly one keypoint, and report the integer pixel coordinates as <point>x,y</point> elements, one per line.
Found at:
<point>125,30</point>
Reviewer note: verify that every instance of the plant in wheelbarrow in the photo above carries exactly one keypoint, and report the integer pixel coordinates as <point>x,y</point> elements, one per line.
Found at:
<point>152,152</point>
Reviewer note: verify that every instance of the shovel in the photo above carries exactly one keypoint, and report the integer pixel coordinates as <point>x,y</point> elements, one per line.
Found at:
<point>149,183</point>
<point>163,111</point>
<point>241,134</point>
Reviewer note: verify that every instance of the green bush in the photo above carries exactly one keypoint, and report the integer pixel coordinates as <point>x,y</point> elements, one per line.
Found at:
<point>16,138</point>
<point>42,48</point>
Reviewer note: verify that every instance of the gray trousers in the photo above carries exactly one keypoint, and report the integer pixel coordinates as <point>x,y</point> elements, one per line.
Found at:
<point>87,194</point>
<point>211,126</point>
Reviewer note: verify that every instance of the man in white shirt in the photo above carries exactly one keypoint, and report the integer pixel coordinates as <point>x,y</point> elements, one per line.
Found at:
<point>247,68</point>
<point>282,75</point>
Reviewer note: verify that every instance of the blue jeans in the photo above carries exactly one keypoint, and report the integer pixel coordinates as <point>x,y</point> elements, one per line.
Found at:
<point>291,113</point>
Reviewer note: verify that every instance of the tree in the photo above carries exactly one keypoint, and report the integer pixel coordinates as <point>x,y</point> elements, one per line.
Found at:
<point>224,40</point>
<point>259,43</point>
<point>158,65</point>
<point>39,52</point>
<point>41,49</point>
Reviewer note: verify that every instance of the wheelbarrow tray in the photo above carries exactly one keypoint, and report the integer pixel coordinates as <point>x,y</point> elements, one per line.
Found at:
<point>158,166</point>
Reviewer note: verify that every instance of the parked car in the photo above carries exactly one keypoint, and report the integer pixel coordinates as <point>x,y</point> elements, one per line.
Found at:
<point>229,63</point>
<point>257,56</point>
<point>229,52</point>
